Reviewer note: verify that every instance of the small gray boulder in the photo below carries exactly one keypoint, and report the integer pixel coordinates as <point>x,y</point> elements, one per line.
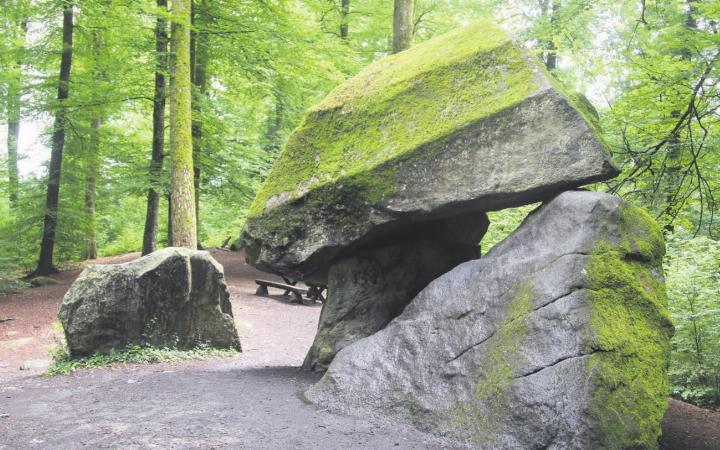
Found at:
<point>174,298</point>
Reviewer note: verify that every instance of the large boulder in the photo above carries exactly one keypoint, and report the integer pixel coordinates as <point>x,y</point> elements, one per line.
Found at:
<point>558,339</point>
<point>466,121</point>
<point>174,298</point>
<point>369,289</point>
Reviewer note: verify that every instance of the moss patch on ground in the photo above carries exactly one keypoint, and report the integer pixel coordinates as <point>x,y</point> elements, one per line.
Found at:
<point>135,354</point>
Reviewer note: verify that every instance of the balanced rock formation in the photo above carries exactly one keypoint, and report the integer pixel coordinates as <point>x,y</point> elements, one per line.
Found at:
<point>372,287</point>
<point>467,121</point>
<point>174,298</point>
<point>558,338</point>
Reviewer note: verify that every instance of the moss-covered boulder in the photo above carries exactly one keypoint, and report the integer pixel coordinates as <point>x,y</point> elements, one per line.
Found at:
<point>174,298</point>
<point>558,338</point>
<point>466,121</point>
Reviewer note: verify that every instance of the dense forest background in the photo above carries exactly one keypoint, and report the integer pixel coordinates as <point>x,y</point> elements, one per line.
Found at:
<point>649,68</point>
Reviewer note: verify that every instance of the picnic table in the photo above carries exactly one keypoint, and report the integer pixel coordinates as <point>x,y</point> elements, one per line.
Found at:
<point>308,296</point>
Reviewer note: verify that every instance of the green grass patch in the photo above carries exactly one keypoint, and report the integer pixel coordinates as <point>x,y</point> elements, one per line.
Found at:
<point>136,354</point>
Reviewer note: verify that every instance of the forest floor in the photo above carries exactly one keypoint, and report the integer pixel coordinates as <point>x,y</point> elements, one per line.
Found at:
<point>248,401</point>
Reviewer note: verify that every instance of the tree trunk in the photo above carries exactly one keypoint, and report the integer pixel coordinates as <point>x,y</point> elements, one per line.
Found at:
<point>92,158</point>
<point>548,44</point>
<point>90,251</point>
<point>13,120</point>
<point>199,65</point>
<point>158,139</point>
<point>169,241</point>
<point>271,138</point>
<point>403,25</point>
<point>182,188</point>
<point>344,13</point>
<point>47,246</point>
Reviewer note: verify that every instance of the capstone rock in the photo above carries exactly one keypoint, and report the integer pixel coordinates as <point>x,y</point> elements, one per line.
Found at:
<point>467,121</point>
<point>558,338</point>
<point>174,298</point>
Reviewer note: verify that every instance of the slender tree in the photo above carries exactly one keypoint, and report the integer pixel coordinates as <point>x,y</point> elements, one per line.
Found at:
<point>92,165</point>
<point>47,246</point>
<point>182,189</point>
<point>13,115</point>
<point>199,63</point>
<point>403,25</point>
<point>344,18</point>
<point>158,132</point>
<point>92,160</point>
<point>551,58</point>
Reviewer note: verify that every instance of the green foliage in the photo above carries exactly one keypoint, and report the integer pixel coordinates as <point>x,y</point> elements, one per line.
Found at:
<point>502,223</point>
<point>693,280</point>
<point>136,354</point>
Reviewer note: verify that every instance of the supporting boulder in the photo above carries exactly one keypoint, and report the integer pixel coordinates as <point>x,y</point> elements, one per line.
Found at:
<point>368,290</point>
<point>558,338</point>
<point>467,121</point>
<point>173,298</point>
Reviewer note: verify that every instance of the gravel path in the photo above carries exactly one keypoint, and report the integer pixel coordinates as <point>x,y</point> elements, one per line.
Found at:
<point>249,401</point>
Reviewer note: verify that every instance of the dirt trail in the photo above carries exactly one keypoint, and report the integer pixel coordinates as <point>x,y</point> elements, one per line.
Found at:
<point>249,401</point>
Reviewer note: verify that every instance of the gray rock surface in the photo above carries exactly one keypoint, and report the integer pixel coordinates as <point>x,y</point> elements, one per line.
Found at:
<point>368,290</point>
<point>558,338</point>
<point>464,122</point>
<point>174,297</point>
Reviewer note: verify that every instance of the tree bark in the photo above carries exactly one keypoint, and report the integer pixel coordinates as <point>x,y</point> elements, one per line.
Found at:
<point>199,62</point>
<point>344,24</point>
<point>92,158</point>
<point>47,246</point>
<point>551,58</point>
<point>158,126</point>
<point>90,251</point>
<point>182,187</point>
<point>403,25</point>
<point>13,121</point>
<point>271,138</point>
<point>169,242</point>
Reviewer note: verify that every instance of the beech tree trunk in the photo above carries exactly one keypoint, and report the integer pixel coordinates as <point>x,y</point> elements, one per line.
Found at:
<point>551,58</point>
<point>182,187</point>
<point>199,62</point>
<point>403,25</point>
<point>344,23</point>
<point>13,120</point>
<point>47,246</point>
<point>158,139</point>
<point>92,159</point>
<point>169,242</point>
<point>90,251</point>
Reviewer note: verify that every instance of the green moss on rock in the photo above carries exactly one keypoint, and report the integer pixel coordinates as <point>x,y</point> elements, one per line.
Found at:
<point>631,330</point>
<point>478,418</point>
<point>397,105</point>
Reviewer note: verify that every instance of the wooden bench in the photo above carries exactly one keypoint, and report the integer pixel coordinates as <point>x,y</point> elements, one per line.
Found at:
<point>298,295</point>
